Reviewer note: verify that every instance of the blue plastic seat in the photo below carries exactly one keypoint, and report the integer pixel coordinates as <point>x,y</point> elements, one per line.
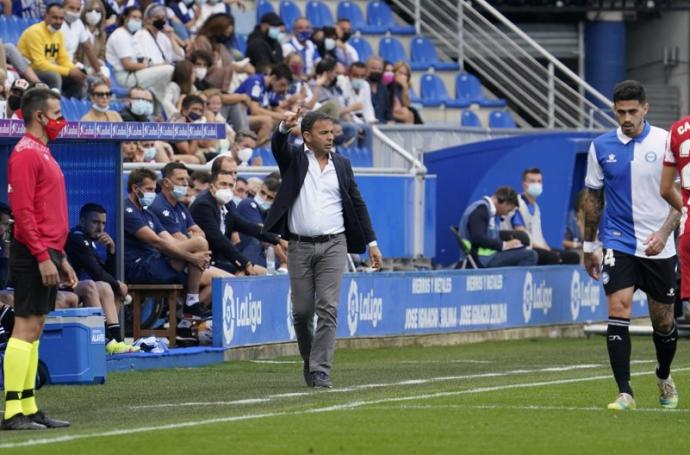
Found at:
<point>318,14</point>
<point>414,98</point>
<point>433,92</point>
<point>267,157</point>
<point>4,30</point>
<point>289,13</point>
<point>469,90</point>
<point>392,50</point>
<point>118,90</point>
<point>81,107</point>
<point>423,55</point>
<point>501,119</point>
<point>350,10</point>
<point>362,47</point>
<point>469,118</point>
<point>379,15</point>
<point>367,158</point>
<point>66,109</point>
<point>13,30</point>
<point>263,7</point>
<point>240,43</point>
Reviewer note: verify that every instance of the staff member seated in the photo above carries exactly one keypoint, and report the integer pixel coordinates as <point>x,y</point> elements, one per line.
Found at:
<point>479,226</point>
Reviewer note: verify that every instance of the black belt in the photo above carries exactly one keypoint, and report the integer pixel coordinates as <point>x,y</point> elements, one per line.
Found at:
<point>315,239</point>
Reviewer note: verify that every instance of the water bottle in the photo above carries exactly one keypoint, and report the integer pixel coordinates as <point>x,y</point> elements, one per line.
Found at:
<point>270,260</point>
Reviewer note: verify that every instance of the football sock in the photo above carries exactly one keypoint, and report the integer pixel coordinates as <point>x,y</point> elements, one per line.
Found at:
<point>618,344</point>
<point>28,398</point>
<point>113,332</point>
<point>192,299</point>
<point>665,344</point>
<point>15,367</point>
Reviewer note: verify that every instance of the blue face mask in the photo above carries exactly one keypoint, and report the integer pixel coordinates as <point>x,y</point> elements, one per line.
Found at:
<point>535,189</point>
<point>179,192</point>
<point>303,36</point>
<point>142,108</point>
<point>274,33</point>
<point>149,153</point>
<point>133,25</point>
<point>146,199</point>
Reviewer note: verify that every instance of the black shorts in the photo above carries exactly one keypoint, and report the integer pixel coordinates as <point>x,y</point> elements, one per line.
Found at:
<point>656,277</point>
<point>31,298</point>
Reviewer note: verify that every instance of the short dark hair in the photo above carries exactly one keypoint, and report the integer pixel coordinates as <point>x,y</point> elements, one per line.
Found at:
<point>272,183</point>
<point>344,19</point>
<point>325,64</point>
<point>136,87</point>
<point>201,54</point>
<point>137,176</point>
<point>281,71</point>
<point>52,5</point>
<point>241,179</point>
<point>5,209</point>
<point>358,64</point>
<point>531,170</point>
<point>169,168</point>
<point>189,100</point>
<point>90,207</point>
<point>311,118</point>
<point>127,11</point>
<point>629,91</point>
<point>218,163</point>
<point>34,100</point>
<point>215,175</point>
<point>200,176</point>
<point>506,195</point>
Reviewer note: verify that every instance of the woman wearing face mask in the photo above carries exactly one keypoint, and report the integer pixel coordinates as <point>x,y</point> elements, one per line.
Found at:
<point>181,85</point>
<point>131,66</point>
<point>93,17</point>
<point>100,108</point>
<point>157,39</point>
<point>399,91</point>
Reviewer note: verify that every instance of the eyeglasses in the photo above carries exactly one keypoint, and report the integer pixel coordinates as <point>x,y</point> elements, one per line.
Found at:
<point>103,94</point>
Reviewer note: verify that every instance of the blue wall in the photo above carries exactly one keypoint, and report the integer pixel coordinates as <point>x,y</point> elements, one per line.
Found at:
<point>605,50</point>
<point>466,173</point>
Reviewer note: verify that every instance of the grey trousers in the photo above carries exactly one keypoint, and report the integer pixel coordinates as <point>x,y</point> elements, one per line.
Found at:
<point>316,273</point>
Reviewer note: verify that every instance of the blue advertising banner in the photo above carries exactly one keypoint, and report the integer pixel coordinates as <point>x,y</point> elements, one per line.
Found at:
<point>249,311</point>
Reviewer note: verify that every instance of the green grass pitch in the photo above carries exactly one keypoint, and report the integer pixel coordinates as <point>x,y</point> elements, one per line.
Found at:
<point>534,396</point>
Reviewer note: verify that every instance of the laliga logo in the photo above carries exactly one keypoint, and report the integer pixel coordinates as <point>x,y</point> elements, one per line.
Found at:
<point>236,313</point>
<point>362,307</point>
<point>229,314</point>
<point>535,296</point>
<point>583,295</point>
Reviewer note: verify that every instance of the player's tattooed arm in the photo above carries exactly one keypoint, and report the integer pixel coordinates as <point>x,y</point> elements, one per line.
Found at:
<point>594,204</point>
<point>671,223</point>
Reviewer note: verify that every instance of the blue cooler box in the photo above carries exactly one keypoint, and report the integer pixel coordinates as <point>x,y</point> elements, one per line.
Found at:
<point>73,346</point>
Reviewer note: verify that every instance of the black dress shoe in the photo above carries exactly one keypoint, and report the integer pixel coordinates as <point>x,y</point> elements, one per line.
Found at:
<point>321,380</point>
<point>307,375</point>
<point>48,422</point>
<point>20,422</point>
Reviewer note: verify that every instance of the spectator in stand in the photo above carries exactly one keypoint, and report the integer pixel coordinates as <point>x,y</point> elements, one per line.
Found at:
<point>138,105</point>
<point>214,106</point>
<point>156,39</point>
<point>210,209</point>
<point>575,226</point>
<point>93,17</point>
<point>31,9</point>
<point>357,94</point>
<point>173,215</point>
<point>213,7</point>
<point>132,153</point>
<point>153,256</point>
<point>43,45</point>
<point>14,99</point>
<point>399,91</point>
<point>330,98</point>
<point>77,38</point>
<point>16,59</point>
<point>100,107</point>
<point>181,85</point>
<point>243,150</point>
<point>186,11</point>
<point>264,45</point>
<point>300,43</point>
<point>192,111</point>
<point>115,9</point>
<point>345,53</point>
<point>198,182</point>
<point>240,190</point>
<point>266,92</point>
<point>81,249</point>
<point>131,66</point>
<point>479,226</point>
<point>380,98</point>
<point>527,218</point>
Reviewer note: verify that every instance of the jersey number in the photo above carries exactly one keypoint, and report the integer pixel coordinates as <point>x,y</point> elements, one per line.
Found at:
<point>609,258</point>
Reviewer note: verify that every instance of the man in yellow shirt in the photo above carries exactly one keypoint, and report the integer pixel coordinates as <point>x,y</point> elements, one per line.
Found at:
<point>44,46</point>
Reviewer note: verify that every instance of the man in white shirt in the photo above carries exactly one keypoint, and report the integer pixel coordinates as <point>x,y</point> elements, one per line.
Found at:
<point>301,43</point>
<point>320,210</point>
<point>76,35</point>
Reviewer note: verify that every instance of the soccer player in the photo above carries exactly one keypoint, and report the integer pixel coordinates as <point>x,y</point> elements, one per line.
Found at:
<point>624,169</point>
<point>39,202</point>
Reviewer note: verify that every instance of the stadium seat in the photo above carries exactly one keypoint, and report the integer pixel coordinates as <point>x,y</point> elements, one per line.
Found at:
<point>11,29</point>
<point>501,119</point>
<point>362,47</point>
<point>318,14</point>
<point>423,55</point>
<point>392,50</point>
<point>380,16</point>
<point>469,90</point>
<point>4,30</point>
<point>80,107</point>
<point>263,7</point>
<point>289,12</point>
<point>240,43</point>
<point>118,90</point>
<point>169,292</point>
<point>366,158</point>
<point>68,110</point>
<point>414,98</point>
<point>350,10</point>
<point>266,157</point>
<point>469,118</point>
<point>433,92</point>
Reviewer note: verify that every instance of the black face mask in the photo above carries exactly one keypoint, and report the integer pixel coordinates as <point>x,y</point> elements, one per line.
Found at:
<point>159,24</point>
<point>346,36</point>
<point>14,101</point>
<point>375,77</point>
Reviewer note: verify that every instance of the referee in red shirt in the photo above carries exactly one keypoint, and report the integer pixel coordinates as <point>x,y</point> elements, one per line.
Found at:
<point>37,262</point>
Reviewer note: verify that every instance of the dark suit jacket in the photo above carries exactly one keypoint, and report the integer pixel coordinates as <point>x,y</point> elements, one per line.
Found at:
<point>293,164</point>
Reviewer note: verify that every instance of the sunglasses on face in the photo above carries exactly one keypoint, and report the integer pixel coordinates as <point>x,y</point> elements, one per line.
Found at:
<point>103,94</point>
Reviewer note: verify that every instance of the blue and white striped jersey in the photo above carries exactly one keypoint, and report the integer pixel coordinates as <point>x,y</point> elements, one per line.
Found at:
<point>629,171</point>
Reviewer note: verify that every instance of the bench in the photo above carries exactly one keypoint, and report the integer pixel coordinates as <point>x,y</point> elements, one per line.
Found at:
<point>170,292</point>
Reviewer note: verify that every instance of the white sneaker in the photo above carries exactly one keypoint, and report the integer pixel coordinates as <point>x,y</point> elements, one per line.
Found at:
<point>624,402</point>
<point>668,394</point>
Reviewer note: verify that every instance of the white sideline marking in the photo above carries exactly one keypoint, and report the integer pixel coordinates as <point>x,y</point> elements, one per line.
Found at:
<point>341,407</point>
<point>370,386</point>
<point>523,408</point>
<point>279,362</point>
<point>418,362</point>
